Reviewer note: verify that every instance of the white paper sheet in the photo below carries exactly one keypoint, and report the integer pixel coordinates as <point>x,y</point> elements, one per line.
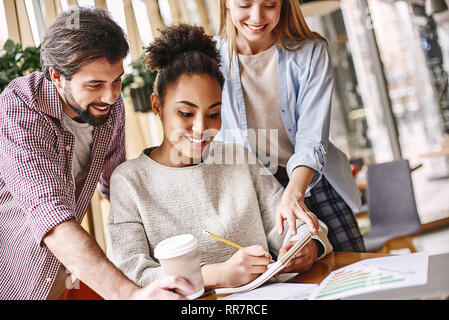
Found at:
<point>374,275</point>
<point>276,291</point>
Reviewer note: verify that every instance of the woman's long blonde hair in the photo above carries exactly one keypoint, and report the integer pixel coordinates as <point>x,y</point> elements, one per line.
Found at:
<point>291,30</point>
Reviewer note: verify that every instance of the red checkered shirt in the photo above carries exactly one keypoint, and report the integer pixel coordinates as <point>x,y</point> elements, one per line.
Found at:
<point>37,190</point>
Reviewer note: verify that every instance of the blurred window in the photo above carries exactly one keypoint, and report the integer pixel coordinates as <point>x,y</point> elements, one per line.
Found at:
<point>411,47</point>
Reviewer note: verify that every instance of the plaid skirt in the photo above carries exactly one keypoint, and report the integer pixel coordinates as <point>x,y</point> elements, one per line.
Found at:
<point>324,201</point>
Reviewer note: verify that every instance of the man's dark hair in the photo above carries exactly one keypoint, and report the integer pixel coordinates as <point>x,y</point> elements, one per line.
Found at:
<point>182,49</point>
<point>80,36</point>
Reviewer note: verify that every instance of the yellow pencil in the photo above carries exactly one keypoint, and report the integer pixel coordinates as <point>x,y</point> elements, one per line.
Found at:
<point>232,244</point>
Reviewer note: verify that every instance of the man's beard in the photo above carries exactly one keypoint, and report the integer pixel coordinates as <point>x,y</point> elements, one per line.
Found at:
<point>85,115</point>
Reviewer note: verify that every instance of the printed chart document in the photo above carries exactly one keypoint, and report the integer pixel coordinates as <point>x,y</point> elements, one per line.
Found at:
<point>273,268</point>
<point>374,275</point>
<point>276,291</point>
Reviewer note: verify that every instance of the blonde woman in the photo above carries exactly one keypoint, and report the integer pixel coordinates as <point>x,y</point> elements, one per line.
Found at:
<point>277,101</point>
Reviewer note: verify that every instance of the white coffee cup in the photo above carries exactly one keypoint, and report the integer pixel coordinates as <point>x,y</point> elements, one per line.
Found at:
<point>179,256</point>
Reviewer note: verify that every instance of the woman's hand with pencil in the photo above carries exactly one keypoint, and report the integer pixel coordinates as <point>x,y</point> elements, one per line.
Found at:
<point>243,267</point>
<point>232,244</point>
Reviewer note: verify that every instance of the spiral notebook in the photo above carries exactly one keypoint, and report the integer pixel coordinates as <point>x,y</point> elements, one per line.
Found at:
<point>273,268</point>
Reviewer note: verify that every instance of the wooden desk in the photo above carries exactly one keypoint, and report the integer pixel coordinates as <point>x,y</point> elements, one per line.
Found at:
<point>322,268</point>
<point>333,261</point>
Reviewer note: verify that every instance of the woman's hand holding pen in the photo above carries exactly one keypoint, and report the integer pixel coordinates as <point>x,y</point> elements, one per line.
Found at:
<point>246,265</point>
<point>243,267</point>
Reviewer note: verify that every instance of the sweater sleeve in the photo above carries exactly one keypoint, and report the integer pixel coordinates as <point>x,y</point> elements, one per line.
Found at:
<point>128,246</point>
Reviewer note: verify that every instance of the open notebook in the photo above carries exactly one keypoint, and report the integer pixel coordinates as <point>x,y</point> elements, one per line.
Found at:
<point>273,268</point>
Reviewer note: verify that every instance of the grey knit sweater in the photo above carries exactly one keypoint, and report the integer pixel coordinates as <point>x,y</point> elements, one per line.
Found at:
<point>151,202</point>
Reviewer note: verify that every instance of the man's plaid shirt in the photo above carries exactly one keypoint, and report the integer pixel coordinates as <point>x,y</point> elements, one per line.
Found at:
<point>37,190</point>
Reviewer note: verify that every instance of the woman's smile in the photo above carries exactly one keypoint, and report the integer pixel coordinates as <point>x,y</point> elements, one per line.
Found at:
<point>197,142</point>
<point>256,28</point>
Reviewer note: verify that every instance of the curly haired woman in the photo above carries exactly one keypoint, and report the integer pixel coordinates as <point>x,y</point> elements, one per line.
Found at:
<point>185,186</point>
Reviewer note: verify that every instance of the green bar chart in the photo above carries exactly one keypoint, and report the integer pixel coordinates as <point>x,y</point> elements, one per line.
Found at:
<point>373,275</point>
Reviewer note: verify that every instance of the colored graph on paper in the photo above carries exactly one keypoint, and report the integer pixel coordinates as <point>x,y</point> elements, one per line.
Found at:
<point>374,275</point>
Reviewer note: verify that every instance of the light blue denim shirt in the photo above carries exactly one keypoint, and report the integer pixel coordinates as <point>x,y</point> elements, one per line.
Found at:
<point>306,83</point>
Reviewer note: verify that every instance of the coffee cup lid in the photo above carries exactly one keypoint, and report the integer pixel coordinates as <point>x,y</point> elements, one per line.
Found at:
<point>175,246</point>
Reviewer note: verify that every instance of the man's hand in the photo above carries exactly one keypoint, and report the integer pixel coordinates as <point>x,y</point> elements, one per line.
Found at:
<point>161,289</point>
<point>303,260</point>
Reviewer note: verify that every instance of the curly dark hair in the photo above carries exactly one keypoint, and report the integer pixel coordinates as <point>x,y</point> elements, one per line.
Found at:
<point>182,49</point>
<point>78,37</point>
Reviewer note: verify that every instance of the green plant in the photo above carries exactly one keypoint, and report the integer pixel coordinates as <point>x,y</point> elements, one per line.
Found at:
<point>139,85</point>
<point>139,76</point>
<point>16,62</point>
